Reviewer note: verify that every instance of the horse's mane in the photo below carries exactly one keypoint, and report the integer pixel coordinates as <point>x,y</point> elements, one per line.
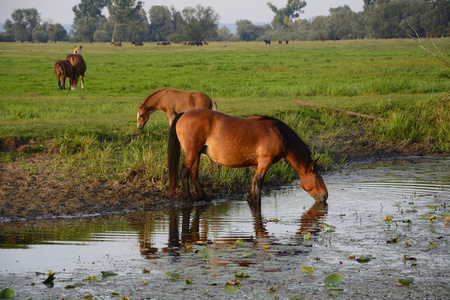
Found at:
<point>292,141</point>
<point>143,104</point>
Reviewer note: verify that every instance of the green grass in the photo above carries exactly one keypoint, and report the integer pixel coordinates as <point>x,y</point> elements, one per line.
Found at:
<point>92,132</point>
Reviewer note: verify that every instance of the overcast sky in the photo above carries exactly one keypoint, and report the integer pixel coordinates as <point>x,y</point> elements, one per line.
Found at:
<point>60,11</point>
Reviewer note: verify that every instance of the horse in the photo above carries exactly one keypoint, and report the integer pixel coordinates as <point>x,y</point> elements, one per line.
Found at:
<point>78,50</point>
<point>63,70</point>
<point>116,44</point>
<point>267,42</point>
<point>137,44</point>
<point>79,67</point>
<point>237,142</point>
<point>172,102</point>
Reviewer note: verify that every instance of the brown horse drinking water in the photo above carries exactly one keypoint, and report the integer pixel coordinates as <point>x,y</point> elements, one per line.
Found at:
<point>63,70</point>
<point>237,142</point>
<point>79,68</point>
<point>172,102</point>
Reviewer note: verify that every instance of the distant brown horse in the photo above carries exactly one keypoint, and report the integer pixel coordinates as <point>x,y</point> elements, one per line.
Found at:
<point>63,70</point>
<point>79,68</point>
<point>237,142</point>
<point>116,44</point>
<point>172,102</point>
<point>78,50</point>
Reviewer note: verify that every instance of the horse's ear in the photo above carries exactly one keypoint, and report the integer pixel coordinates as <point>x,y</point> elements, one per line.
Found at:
<point>81,46</point>
<point>312,165</point>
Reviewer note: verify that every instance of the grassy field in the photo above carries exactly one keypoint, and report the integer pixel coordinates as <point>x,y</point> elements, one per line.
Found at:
<point>92,133</point>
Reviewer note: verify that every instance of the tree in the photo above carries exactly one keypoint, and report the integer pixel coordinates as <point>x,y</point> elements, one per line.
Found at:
<point>341,22</point>
<point>200,23</point>
<point>224,34</point>
<point>39,34</point>
<point>88,17</point>
<point>122,12</point>
<point>161,24</point>
<point>22,24</point>
<point>284,17</point>
<point>56,32</point>
<point>246,30</point>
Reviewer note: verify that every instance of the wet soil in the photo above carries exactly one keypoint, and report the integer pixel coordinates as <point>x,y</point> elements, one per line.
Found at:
<point>31,189</point>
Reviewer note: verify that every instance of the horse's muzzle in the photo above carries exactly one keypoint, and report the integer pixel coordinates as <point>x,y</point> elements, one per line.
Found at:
<point>140,126</point>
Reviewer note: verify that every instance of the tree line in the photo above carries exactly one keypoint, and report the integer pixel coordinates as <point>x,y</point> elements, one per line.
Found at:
<point>128,21</point>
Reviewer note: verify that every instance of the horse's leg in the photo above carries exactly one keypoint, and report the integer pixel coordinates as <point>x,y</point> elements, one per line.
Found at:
<point>63,83</point>
<point>257,181</point>
<point>201,195</point>
<point>82,81</point>
<point>185,189</point>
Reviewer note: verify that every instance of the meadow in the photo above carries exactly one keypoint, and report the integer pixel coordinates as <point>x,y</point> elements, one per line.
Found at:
<point>91,134</point>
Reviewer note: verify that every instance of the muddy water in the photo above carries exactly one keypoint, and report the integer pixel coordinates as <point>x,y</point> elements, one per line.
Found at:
<point>194,252</point>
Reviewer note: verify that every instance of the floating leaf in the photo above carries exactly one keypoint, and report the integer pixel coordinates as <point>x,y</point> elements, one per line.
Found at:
<point>432,219</point>
<point>236,282</point>
<point>205,252</point>
<point>241,275</point>
<point>432,245</point>
<point>239,243</point>
<point>144,282</point>
<point>388,218</point>
<point>7,293</point>
<point>394,240</point>
<point>248,253</point>
<point>275,220</point>
<point>145,270</point>
<point>267,247</point>
<point>309,270</point>
<point>88,296</point>
<point>333,280</point>
<point>108,273</point>
<point>405,281</point>
<point>50,279</point>
<point>272,289</point>
<point>307,236</point>
<point>432,206</point>
<point>188,281</point>
<point>230,289</point>
<point>91,278</point>
<point>173,275</point>
<point>406,257</point>
<point>351,256</point>
<point>363,259</point>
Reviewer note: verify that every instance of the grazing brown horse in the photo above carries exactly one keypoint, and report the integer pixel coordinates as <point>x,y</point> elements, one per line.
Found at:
<point>237,142</point>
<point>79,67</point>
<point>63,70</point>
<point>172,102</point>
<point>116,44</point>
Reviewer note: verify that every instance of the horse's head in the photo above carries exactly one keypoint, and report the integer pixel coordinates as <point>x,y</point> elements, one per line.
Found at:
<point>313,184</point>
<point>78,50</point>
<point>142,116</point>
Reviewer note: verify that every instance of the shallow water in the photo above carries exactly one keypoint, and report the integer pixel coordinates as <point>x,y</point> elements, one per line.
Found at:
<point>274,243</point>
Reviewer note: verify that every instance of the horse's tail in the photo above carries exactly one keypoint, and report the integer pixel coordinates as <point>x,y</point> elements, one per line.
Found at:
<point>173,157</point>
<point>214,105</point>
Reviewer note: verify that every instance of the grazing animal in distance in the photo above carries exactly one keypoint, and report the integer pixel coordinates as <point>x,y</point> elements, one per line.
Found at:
<point>137,44</point>
<point>79,68</point>
<point>172,102</point>
<point>63,70</point>
<point>116,44</point>
<point>237,142</point>
<point>267,42</point>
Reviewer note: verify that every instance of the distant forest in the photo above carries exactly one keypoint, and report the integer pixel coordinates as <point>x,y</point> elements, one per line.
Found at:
<point>128,21</point>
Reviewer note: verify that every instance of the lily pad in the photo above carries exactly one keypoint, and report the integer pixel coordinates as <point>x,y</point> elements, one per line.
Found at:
<point>108,273</point>
<point>205,252</point>
<point>363,259</point>
<point>239,243</point>
<point>248,253</point>
<point>173,275</point>
<point>229,289</point>
<point>405,281</point>
<point>333,280</point>
<point>7,293</point>
<point>309,270</point>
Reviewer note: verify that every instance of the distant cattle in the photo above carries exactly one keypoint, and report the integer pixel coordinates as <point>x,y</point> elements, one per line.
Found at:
<point>163,44</point>
<point>137,43</point>
<point>116,44</point>
<point>267,42</point>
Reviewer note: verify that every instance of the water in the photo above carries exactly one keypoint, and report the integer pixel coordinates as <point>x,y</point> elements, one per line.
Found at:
<point>147,250</point>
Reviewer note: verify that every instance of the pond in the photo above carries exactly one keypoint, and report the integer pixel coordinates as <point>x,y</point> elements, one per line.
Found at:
<point>386,223</point>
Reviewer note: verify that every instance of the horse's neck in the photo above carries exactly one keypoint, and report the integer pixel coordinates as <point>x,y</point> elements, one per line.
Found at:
<point>153,102</point>
<point>301,166</point>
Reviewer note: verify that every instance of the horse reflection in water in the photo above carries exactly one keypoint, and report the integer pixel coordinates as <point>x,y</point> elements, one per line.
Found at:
<point>195,227</point>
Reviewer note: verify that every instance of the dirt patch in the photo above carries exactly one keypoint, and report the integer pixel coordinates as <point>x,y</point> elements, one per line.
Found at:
<point>31,189</point>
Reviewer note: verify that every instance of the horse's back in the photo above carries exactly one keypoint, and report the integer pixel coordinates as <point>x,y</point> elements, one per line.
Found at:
<point>77,62</point>
<point>63,67</point>
<point>230,141</point>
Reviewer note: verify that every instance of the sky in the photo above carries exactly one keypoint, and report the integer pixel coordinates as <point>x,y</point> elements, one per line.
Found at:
<point>60,11</point>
